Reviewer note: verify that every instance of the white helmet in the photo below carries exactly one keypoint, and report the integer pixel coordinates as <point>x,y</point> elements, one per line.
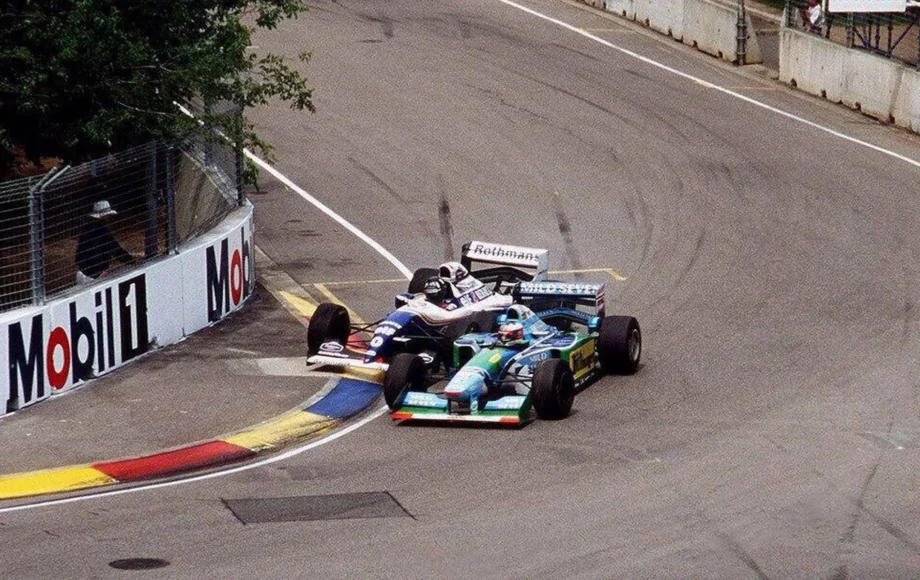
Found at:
<point>452,271</point>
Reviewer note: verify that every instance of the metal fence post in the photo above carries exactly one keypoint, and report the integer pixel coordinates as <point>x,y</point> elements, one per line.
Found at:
<point>741,50</point>
<point>37,240</point>
<point>151,248</point>
<point>238,163</point>
<point>209,139</point>
<point>851,30</point>
<point>37,232</point>
<point>170,199</point>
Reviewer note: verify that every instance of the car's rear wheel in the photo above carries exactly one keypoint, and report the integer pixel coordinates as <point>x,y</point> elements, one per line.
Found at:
<point>619,345</point>
<point>553,389</point>
<point>417,284</point>
<point>330,322</point>
<point>406,372</point>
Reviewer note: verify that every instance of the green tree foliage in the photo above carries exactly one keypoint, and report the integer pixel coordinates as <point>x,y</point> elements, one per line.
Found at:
<point>79,78</point>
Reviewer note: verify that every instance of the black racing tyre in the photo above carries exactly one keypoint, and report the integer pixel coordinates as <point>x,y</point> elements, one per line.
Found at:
<point>417,284</point>
<point>330,322</point>
<point>553,389</point>
<point>619,345</point>
<point>406,371</point>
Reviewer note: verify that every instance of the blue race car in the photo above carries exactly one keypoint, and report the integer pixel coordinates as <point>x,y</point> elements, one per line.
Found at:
<point>535,362</point>
<point>441,305</point>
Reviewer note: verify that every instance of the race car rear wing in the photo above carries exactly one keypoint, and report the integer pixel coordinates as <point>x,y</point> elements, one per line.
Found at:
<point>504,262</point>
<point>549,295</point>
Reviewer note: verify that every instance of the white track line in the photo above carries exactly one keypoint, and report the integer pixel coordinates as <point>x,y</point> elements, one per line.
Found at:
<point>144,487</point>
<point>329,212</point>
<point>319,205</point>
<point>708,84</point>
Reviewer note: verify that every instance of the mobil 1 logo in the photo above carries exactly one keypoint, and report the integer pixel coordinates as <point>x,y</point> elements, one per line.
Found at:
<point>230,273</point>
<point>89,335</point>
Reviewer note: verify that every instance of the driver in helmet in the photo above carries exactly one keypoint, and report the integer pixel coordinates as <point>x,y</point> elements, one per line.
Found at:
<point>436,290</point>
<point>453,281</point>
<point>459,277</point>
<point>511,334</point>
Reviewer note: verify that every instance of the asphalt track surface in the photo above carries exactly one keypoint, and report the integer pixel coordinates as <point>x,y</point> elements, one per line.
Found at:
<point>773,431</point>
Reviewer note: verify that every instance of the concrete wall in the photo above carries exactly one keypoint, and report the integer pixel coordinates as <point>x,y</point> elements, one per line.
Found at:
<point>877,86</point>
<point>708,25</point>
<point>906,109</point>
<point>53,348</point>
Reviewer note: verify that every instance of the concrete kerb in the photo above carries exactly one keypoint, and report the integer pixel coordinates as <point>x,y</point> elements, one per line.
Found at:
<point>344,397</point>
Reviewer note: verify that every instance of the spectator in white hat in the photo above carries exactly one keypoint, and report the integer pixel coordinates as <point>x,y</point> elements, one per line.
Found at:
<point>813,16</point>
<point>96,247</point>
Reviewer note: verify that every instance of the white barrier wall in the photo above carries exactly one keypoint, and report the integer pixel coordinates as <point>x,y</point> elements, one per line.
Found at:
<point>906,110</point>
<point>56,347</point>
<point>877,86</point>
<point>707,25</point>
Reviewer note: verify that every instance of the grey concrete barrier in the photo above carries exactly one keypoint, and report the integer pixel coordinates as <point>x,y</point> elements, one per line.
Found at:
<point>713,28</point>
<point>664,17</point>
<point>707,25</point>
<point>906,109</point>
<point>877,86</point>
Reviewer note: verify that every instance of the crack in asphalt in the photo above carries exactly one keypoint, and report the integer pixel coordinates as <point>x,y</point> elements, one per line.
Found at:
<point>742,555</point>
<point>851,529</point>
<point>447,230</point>
<point>565,230</point>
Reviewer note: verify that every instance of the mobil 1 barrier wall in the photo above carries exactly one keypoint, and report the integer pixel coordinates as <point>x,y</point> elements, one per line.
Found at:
<point>880,87</point>
<point>708,25</point>
<point>51,349</point>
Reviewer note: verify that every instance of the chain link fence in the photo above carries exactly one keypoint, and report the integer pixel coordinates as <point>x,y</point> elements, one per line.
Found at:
<point>893,35</point>
<point>75,224</point>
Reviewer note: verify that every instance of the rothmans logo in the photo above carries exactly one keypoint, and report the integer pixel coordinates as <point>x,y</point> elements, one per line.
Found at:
<point>503,252</point>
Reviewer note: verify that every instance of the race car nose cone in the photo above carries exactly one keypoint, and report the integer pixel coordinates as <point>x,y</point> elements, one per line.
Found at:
<point>466,385</point>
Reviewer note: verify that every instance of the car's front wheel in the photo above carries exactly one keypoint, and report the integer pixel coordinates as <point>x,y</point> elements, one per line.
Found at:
<point>330,322</point>
<point>406,372</point>
<point>553,389</point>
<point>619,345</point>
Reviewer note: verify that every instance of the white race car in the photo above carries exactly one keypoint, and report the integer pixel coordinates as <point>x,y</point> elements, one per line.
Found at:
<point>441,305</point>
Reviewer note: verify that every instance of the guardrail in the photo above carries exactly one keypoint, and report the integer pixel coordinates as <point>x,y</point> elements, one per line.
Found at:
<point>57,346</point>
<point>104,261</point>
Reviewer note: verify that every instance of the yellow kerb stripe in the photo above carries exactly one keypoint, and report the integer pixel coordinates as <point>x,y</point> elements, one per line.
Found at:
<point>52,481</point>
<point>282,430</point>
<point>335,300</point>
<point>373,375</point>
<point>301,305</point>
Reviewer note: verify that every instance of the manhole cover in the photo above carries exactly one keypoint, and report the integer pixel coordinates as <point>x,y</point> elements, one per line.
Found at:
<point>139,564</point>
<point>375,504</point>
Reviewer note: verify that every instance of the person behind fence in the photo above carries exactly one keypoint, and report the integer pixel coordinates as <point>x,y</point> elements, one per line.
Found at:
<point>97,249</point>
<point>812,16</point>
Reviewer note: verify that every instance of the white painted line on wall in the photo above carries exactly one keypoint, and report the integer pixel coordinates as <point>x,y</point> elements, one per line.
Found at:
<point>710,85</point>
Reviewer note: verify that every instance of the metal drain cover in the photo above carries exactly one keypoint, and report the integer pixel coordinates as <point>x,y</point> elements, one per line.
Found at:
<point>375,504</point>
<point>138,564</point>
